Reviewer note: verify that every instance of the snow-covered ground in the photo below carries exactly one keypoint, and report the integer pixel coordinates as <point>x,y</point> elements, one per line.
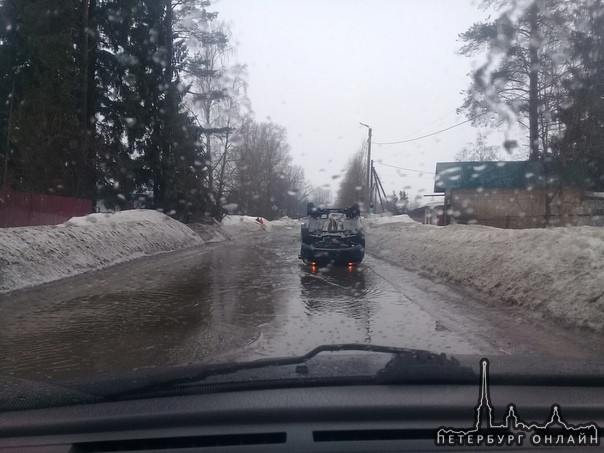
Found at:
<point>209,233</point>
<point>34,255</point>
<point>555,271</point>
<point>286,222</point>
<point>242,224</point>
<point>382,219</point>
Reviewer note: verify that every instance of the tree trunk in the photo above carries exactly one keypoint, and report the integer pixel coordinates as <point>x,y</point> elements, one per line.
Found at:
<point>81,166</point>
<point>91,95</point>
<point>534,83</point>
<point>209,163</point>
<point>219,194</point>
<point>163,182</point>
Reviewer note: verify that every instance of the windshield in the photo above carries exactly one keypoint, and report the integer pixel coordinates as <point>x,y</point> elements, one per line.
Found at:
<point>190,182</point>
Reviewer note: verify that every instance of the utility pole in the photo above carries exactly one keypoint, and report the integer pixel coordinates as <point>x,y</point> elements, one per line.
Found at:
<point>371,187</point>
<point>368,182</point>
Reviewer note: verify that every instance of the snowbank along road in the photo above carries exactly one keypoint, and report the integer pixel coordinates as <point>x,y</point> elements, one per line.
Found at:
<point>251,297</point>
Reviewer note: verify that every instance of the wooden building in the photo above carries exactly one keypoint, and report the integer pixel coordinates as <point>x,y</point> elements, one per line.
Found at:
<point>523,194</point>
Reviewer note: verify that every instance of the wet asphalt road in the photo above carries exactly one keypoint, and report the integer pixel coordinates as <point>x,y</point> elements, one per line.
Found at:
<point>247,299</point>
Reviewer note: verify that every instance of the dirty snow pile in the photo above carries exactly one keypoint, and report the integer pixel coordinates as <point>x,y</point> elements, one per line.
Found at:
<point>556,271</point>
<point>209,232</point>
<point>34,255</point>
<point>382,219</point>
<point>241,224</point>
<point>285,222</point>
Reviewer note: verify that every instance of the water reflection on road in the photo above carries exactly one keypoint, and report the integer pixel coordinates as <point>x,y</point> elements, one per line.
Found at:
<point>350,305</point>
<point>241,300</point>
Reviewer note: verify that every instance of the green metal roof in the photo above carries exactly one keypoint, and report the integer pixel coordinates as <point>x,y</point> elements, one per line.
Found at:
<point>516,174</point>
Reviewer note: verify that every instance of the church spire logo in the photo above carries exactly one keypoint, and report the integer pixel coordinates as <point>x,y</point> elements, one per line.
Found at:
<point>555,431</point>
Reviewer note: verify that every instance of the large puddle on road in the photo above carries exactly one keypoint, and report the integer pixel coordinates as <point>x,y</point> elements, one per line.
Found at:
<point>247,299</point>
<point>342,305</point>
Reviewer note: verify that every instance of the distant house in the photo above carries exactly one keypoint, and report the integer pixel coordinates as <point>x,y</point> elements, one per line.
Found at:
<point>434,213</point>
<point>524,194</point>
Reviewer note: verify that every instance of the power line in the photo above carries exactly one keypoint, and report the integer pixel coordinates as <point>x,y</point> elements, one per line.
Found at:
<point>440,118</point>
<point>431,134</point>
<point>403,168</point>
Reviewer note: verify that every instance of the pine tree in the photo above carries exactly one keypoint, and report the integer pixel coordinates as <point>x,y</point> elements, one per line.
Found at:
<point>583,115</point>
<point>521,82</point>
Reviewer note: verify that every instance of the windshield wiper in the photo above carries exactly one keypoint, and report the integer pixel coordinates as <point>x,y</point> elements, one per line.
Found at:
<point>405,366</point>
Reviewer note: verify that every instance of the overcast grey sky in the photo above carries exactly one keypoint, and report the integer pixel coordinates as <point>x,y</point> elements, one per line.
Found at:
<point>319,67</point>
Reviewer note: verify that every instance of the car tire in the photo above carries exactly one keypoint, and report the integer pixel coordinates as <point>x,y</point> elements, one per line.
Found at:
<point>310,209</point>
<point>305,235</point>
<point>361,239</point>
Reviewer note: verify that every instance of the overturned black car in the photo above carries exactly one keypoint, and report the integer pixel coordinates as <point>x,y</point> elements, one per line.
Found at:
<point>332,236</point>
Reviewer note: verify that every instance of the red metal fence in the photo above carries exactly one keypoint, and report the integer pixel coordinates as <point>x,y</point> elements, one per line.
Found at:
<point>28,209</point>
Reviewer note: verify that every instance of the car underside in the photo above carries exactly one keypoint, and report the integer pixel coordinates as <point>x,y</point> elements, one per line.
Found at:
<point>332,236</point>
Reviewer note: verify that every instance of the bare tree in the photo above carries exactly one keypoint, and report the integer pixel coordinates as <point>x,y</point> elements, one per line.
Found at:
<point>321,196</point>
<point>263,178</point>
<point>218,98</point>
<point>479,151</point>
<point>353,184</point>
<point>527,60</point>
<point>229,120</point>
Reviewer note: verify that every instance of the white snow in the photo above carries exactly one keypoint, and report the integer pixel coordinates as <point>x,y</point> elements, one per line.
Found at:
<point>241,224</point>
<point>285,222</point>
<point>555,271</point>
<point>209,232</point>
<point>558,271</point>
<point>34,255</point>
<point>382,219</point>
<point>235,224</point>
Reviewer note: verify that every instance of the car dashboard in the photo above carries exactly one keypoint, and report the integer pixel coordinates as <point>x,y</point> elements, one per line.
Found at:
<point>314,418</point>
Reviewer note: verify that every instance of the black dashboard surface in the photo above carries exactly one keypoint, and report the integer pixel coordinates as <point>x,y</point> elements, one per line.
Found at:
<point>337,418</point>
